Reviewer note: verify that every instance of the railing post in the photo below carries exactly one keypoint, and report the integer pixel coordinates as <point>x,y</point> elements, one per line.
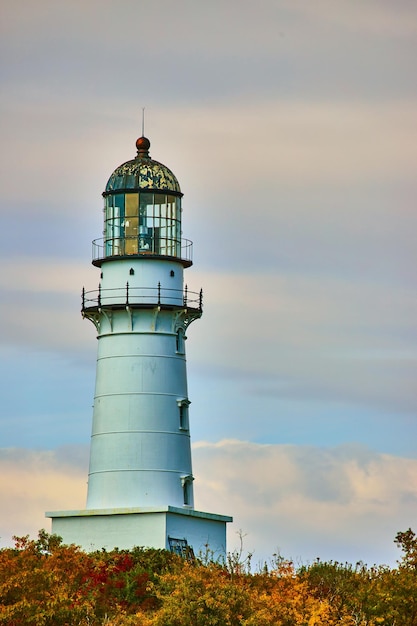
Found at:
<point>127,293</point>
<point>99,296</point>
<point>185,295</point>
<point>159,293</point>
<point>83,299</point>
<point>201,300</point>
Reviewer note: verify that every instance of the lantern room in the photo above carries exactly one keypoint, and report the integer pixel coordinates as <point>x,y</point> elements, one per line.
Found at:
<point>142,212</point>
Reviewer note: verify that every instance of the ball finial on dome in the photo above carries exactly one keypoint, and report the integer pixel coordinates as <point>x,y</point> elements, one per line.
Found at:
<point>143,144</point>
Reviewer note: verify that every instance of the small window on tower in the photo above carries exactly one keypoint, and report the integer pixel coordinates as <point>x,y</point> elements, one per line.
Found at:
<point>183,404</point>
<point>186,482</point>
<point>180,348</point>
<point>187,493</point>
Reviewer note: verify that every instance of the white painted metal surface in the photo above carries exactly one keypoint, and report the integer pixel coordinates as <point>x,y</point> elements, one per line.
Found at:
<point>140,446</point>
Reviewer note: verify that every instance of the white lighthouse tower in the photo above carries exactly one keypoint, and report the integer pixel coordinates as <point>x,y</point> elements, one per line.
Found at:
<point>140,482</point>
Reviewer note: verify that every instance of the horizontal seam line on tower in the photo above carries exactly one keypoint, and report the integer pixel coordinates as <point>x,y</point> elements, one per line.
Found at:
<point>139,393</point>
<point>136,355</point>
<point>159,432</point>
<point>133,469</point>
<point>151,333</point>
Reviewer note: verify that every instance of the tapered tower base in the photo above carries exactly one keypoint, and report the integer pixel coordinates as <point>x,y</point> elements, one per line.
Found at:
<point>170,528</point>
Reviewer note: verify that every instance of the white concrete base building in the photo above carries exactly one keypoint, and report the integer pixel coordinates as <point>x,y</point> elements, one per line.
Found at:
<point>140,485</point>
<point>171,528</point>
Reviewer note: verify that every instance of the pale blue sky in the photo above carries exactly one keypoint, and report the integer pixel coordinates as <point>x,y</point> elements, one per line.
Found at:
<point>291,128</point>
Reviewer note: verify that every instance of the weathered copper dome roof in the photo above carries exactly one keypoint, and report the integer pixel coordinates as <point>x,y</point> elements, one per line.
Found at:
<point>142,172</point>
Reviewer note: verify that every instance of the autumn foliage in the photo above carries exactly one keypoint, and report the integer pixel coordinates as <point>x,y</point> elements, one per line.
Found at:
<point>46,583</point>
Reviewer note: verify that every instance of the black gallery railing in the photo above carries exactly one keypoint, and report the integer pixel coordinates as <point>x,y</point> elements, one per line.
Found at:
<point>131,296</point>
<point>142,246</point>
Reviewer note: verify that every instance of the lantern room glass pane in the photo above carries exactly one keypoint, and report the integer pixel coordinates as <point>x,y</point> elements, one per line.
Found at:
<point>131,204</point>
<point>114,206</point>
<point>142,223</point>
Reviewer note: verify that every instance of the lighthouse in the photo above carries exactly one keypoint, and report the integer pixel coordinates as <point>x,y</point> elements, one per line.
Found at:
<point>140,480</point>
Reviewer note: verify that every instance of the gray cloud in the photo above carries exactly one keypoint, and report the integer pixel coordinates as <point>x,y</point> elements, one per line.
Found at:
<point>341,503</point>
<point>313,338</point>
<point>32,482</point>
<point>160,48</point>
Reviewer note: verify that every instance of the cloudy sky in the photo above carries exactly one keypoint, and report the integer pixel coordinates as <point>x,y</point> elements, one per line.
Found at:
<point>291,126</point>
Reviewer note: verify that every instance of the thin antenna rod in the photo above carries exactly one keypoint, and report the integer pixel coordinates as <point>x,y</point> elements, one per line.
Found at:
<point>143,121</point>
